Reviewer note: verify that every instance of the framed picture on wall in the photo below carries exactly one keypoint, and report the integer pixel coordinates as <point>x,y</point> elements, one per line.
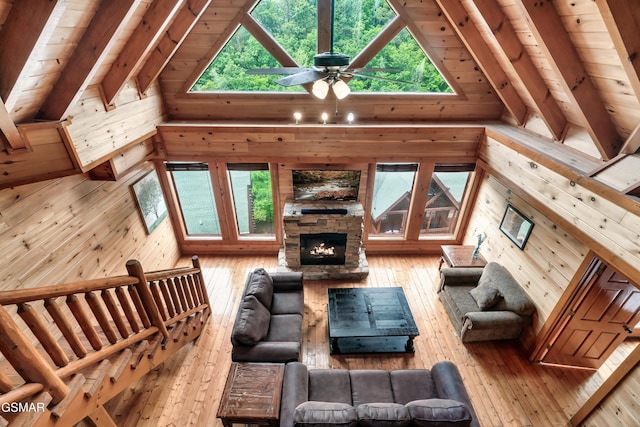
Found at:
<point>516,226</point>
<point>150,200</point>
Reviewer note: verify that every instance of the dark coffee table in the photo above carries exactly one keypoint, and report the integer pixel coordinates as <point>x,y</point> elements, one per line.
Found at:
<point>370,320</point>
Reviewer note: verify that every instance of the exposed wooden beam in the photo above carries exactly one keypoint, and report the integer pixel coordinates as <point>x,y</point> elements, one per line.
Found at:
<point>99,37</point>
<point>155,21</point>
<point>553,39</point>
<point>20,47</point>
<point>217,46</point>
<point>9,130</point>
<point>324,25</point>
<point>418,35</point>
<point>632,143</point>
<point>530,77</point>
<point>378,43</point>
<point>185,19</point>
<point>622,19</point>
<point>267,41</point>
<point>472,39</point>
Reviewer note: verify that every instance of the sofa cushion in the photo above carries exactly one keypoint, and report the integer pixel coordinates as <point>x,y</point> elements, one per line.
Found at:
<point>485,296</point>
<point>383,415</point>
<point>313,413</point>
<point>462,301</point>
<point>412,384</point>
<point>439,412</point>
<point>287,303</point>
<point>370,385</point>
<point>330,385</point>
<point>252,323</point>
<point>261,286</point>
<point>285,327</point>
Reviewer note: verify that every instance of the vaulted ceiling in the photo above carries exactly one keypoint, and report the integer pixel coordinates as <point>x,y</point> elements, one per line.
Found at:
<point>568,70</point>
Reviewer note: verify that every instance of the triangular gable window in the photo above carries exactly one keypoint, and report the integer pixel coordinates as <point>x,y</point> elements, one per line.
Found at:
<point>416,69</point>
<point>292,25</point>
<point>227,71</point>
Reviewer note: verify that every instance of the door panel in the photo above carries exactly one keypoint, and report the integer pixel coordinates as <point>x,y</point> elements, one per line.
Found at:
<point>598,322</point>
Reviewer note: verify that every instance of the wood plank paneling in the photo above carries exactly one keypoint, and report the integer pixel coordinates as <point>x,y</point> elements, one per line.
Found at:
<point>324,144</point>
<point>71,228</point>
<point>96,133</point>
<point>589,212</point>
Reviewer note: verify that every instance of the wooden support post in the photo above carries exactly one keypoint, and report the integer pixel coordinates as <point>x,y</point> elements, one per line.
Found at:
<point>25,359</point>
<point>128,310</point>
<point>65,327</point>
<point>39,329</point>
<point>196,263</point>
<point>135,270</point>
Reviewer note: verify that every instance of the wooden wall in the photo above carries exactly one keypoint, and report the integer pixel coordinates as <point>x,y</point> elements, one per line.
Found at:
<point>621,405</point>
<point>73,228</point>
<point>549,260</point>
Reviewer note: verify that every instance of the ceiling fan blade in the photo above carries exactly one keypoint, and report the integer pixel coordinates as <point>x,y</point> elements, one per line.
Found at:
<point>372,70</point>
<point>308,76</point>
<point>281,70</point>
<point>366,76</point>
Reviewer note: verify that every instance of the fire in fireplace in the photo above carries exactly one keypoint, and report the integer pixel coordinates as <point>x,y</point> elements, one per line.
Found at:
<point>323,248</point>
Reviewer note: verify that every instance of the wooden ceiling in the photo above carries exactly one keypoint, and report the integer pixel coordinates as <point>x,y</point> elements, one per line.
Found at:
<point>568,70</point>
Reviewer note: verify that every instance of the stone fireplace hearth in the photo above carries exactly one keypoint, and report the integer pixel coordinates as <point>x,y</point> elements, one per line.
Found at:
<point>323,240</point>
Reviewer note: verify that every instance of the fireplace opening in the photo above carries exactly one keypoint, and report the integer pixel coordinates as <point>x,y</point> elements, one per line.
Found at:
<point>323,248</point>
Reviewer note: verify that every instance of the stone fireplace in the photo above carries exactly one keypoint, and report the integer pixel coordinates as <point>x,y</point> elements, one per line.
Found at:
<point>324,240</point>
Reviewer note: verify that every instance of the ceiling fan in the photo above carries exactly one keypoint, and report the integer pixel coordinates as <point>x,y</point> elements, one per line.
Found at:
<point>329,69</point>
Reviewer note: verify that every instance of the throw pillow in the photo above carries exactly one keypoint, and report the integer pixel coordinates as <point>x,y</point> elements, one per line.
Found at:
<point>252,323</point>
<point>261,286</point>
<point>383,415</point>
<point>325,414</point>
<point>441,412</point>
<point>485,296</point>
<point>488,274</point>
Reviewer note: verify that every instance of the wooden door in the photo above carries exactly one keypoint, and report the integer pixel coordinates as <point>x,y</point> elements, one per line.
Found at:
<point>599,319</point>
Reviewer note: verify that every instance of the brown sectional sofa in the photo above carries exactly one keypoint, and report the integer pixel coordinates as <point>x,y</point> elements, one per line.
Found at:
<point>485,303</point>
<point>268,326</point>
<point>375,398</point>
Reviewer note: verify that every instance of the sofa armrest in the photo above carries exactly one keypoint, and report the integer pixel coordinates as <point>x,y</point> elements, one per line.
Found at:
<point>491,325</point>
<point>295,390</point>
<point>492,319</point>
<point>267,351</point>
<point>458,276</point>
<point>287,281</point>
<point>449,385</point>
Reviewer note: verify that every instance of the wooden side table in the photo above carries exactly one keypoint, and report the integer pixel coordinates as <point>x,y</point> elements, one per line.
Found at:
<point>460,256</point>
<point>252,394</point>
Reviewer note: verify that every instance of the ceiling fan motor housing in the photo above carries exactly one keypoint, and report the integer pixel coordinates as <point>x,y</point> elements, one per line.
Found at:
<point>330,59</point>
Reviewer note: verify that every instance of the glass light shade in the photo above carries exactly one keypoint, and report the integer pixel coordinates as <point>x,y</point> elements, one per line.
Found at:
<point>320,89</point>
<point>341,89</point>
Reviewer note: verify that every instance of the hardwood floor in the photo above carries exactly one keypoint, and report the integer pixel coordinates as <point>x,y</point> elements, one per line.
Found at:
<point>505,388</point>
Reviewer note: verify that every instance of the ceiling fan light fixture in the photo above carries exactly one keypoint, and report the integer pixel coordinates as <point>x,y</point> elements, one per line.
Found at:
<point>320,89</point>
<point>341,89</point>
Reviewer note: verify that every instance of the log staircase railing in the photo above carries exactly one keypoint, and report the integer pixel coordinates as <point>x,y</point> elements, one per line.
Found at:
<point>70,348</point>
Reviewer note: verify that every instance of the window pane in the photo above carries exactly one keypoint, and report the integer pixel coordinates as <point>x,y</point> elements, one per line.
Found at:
<point>391,200</point>
<point>443,204</point>
<point>253,200</point>
<point>198,206</point>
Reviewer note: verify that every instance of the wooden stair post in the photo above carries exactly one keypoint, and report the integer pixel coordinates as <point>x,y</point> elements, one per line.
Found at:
<point>135,270</point>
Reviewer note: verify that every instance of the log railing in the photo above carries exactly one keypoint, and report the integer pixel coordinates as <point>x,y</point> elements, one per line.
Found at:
<point>48,334</point>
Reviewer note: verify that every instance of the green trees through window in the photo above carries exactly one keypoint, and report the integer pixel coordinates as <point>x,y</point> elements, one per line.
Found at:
<point>293,25</point>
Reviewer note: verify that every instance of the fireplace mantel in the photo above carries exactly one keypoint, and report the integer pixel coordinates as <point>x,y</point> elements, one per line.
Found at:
<point>312,217</point>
